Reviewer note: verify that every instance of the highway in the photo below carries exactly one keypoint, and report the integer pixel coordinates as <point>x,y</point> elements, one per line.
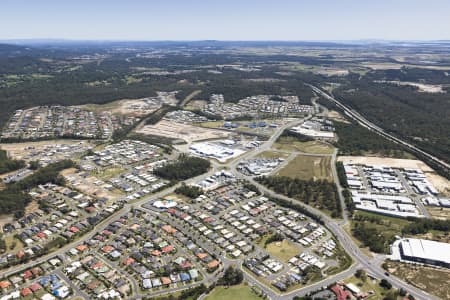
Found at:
<point>364,122</point>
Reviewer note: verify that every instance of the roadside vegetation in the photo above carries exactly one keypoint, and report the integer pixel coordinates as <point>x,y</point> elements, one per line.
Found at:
<point>378,232</point>
<point>9,165</point>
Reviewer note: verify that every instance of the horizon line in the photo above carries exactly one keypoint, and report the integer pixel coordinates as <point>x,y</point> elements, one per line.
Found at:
<point>223,40</point>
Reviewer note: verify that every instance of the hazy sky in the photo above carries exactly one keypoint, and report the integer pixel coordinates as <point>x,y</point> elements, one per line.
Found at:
<point>225,19</point>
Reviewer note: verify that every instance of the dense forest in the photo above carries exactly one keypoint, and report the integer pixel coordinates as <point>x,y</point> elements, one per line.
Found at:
<point>354,139</point>
<point>183,168</point>
<point>320,194</point>
<point>7,164</point>
<point>14,198</point>
<point>420,117</point>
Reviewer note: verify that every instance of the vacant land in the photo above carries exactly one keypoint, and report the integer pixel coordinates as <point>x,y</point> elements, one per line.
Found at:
<point>22,150</point>
<point>365,225</point>
<point>334,115</point>
<point>432,280</point>
<point>308,167</point>
<point>423,88</point>
<point>283,250</point>
<point>129,107</point>
<point>386,161</point>
<point>273,154</point>
<point>286,143</point>
<point>89,185</point>
<point>262,131</point>
<point>109,173</point>
<point>195,104</point>
<point>439,212</point>
<point>183,132</point>
<point>13,245</point>
<point>241,292</point>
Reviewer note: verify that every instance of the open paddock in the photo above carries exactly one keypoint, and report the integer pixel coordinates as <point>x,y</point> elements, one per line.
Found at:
<point>308,167</point>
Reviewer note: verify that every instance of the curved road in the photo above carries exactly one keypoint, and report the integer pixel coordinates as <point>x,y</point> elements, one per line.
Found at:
<point>361,260</point>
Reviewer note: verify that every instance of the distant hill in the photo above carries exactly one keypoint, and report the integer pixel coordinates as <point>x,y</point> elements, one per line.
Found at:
<point>8,49</point>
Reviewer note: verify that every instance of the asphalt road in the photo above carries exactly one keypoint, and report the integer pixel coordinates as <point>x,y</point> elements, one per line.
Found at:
<point>361,260</point>
<point>335,227</point>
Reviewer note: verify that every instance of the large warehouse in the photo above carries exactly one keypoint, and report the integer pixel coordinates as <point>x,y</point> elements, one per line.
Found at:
<point>425,251</point>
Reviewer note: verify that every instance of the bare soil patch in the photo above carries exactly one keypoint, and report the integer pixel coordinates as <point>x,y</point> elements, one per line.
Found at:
<point>184,132</point>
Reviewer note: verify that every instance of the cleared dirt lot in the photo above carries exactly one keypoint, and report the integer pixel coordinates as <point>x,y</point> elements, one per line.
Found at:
<point>439,182</point>
<point>129,107</point>
<point>424,88</point>
<point>88,186</point>
<point>334,115</point>
<point>184,132</point>
<point>439,213</point>
<point>386,161</point>
<point>21,150</point>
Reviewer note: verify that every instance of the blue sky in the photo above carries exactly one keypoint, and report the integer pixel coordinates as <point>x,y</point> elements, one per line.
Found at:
<point>225,19</point>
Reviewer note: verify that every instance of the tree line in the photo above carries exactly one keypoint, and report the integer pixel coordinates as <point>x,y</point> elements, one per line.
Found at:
<point>9,165</point>
<point>14,198</point>
<point>321,194</point>
<point>183,168</point>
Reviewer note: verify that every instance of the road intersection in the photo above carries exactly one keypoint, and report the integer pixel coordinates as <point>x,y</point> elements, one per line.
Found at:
<point>371,265</point>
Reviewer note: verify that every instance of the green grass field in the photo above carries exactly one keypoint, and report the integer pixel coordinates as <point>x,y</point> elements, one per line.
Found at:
<point>285,143</point>
<point>283,250</point>
<point>241,292</point>
<point>308,167</point>
<point>273,154</point>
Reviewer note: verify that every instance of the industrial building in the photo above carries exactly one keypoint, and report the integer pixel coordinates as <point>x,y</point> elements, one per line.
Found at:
<point>398,206</point>
<point>422,251</point>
